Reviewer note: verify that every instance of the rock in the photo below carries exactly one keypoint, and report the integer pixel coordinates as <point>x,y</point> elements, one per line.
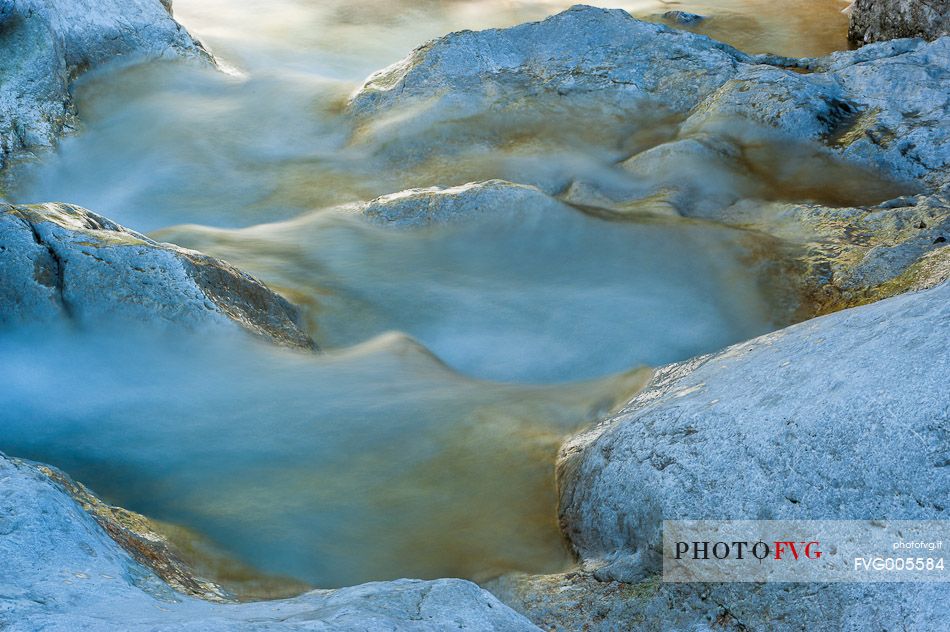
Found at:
<point>46,44</point>
<point>756,144</point>
<point>61,571</point>
<point>769,429</point>
<point>880,107</point>
<point>578,601</point>
<point>683,18</point>
<point>876,20</point>
<point>435,205</point>
<point>61,262</point>
<point>605,59</point>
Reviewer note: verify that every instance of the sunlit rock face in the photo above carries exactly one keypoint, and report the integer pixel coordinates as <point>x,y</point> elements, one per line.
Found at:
<point>879,107</point>
<point>796,410</point>
<point>876,20</point>
<point>62,264</point>
<point>584,58</point>
<point>61,572</point>
<point>45,44</point>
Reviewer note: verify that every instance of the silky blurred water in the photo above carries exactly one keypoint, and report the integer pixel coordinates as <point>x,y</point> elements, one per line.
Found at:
<point>427,452</point>
<point>375,463</point>
<point>172,143</point>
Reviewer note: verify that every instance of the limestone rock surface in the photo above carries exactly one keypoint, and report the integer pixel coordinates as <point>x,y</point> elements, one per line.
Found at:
<point>840,417</point>
<point>46,44</point>
<point>876,20</point>
<point>64,263</point>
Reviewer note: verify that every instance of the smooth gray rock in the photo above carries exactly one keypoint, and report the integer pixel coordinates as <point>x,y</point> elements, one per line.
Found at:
<point>62,263</point>
<point>436,205</point>
<point>683,18</point>
<point>876,20</point>
<point>840,417</point>
<point>579,601</point>
<point>599,59</point>
<point>883,106</point>
<point>45,44</point>
<point>61,571</point>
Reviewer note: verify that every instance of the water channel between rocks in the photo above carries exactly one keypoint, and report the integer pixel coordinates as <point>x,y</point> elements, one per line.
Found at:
<point>457,355</point>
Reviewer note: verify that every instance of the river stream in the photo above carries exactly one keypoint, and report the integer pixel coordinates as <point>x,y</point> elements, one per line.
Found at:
<point>421,442</point>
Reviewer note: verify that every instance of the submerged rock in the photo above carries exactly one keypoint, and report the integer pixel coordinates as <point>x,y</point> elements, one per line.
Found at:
<point>61,262</point>
<point>683,18</point>
<point>876,20</point>
<point>436,205</point>
<point>771,427</point>
<point>61,571</point>
<point>46,44</point>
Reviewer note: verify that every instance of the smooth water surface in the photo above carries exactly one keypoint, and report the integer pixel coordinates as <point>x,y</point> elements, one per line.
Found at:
<point>426,452</point>
<point>375,463</point>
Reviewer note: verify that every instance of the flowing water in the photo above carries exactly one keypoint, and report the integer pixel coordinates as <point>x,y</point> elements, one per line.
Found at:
<point>422,443</point>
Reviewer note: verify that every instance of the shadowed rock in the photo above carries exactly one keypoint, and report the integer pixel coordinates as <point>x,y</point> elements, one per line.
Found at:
<point>683,18</point>
<point>876,20</point>
<point>61,262</point>
<point>45,44</point>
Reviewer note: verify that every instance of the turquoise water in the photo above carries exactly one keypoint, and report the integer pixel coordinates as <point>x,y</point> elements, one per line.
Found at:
<point>422,443</point>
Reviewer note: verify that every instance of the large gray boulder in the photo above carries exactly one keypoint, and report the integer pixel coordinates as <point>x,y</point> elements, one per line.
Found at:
<point>876,20</point>
<point>61,571</point>
<point>578,600</point>
<point>881,106</point>
<point>45,44</point>
<point>60,263</point>
<point>600,60</point>
<point>759,142</point>
<point>841,417</point>
<point>773,428</point>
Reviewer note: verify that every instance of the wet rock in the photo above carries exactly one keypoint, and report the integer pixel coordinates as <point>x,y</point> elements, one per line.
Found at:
<point>436,205</point>
<point>782,416</point>
<point>604,58</point>
<point>46,44</point>
<point>876,20</point>
<point>61,571</point>
<point>579,601</point>
<point>856,255</point>
<point>63,263</point>
<point>683,18</point>
<point>755,143</point>
<point>880,106</point>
